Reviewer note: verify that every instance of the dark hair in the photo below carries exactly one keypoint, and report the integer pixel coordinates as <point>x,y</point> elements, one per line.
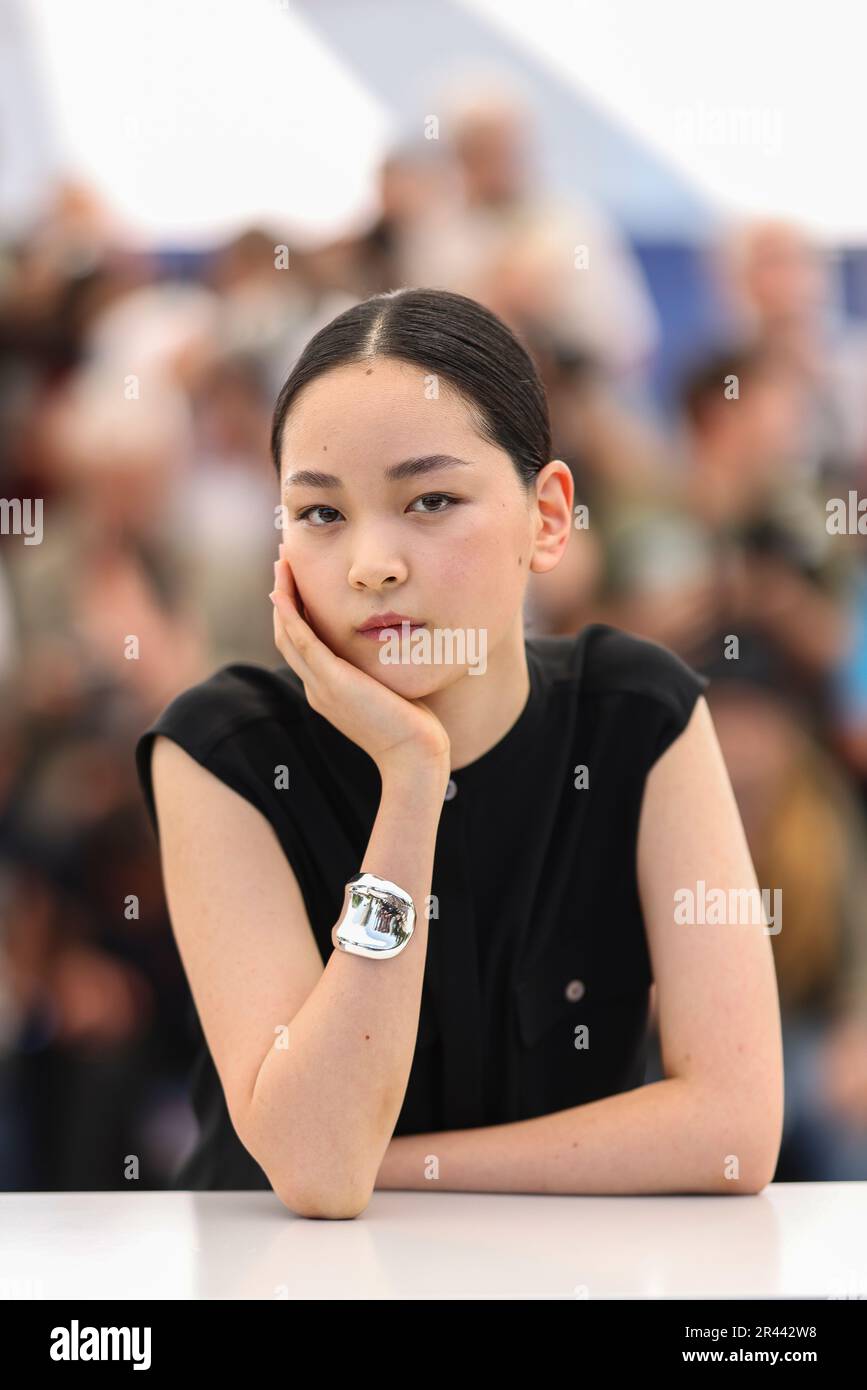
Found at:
<point>450,336</point>
<point>702,385</point>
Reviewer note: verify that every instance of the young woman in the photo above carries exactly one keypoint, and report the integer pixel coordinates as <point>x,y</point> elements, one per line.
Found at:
<point>543,803</point>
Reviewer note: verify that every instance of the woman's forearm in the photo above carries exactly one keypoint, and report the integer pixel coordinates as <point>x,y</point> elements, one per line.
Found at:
<point>323,1108</point>
<point>668,1136</point>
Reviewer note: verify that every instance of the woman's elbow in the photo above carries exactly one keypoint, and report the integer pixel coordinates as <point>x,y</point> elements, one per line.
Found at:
<point>323,1205</point>
<point>738,1129</point>
<point>755,1176</point>
<point>748,1166</point>
<point>766,1157</point>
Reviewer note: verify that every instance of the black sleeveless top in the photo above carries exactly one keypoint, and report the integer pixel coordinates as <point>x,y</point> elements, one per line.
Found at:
<point>536,925</point>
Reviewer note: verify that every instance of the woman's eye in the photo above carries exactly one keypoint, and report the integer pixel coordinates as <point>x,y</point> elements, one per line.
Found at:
<point>440,497</point>
<point>302,516</point>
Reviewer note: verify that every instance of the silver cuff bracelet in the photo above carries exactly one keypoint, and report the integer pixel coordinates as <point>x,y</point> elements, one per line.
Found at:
<point>379,918</point>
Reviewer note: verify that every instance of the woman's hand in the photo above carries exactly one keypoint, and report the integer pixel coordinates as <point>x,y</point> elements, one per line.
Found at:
<point>384,724</point>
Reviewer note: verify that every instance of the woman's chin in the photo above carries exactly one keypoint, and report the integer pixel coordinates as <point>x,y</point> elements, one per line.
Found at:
<point>413,682</point>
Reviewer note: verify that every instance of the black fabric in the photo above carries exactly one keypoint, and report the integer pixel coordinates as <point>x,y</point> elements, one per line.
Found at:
<point>539,925</point>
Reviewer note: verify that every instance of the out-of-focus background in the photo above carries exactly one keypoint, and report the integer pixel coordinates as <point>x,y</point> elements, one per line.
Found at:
<point>670,213</point>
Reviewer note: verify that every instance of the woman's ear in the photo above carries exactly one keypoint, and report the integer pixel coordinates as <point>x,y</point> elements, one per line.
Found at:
<point>555,489</point>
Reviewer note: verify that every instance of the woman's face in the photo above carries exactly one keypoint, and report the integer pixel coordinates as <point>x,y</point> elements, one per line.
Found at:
<point>449,546</point>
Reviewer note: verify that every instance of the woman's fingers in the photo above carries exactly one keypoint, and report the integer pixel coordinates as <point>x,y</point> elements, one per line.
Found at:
<point>291,633</point>
<point>281,577</point>
<point>306,653</point>
<point>285,647</point>
<point>287,605</point>
<point>285,580</point>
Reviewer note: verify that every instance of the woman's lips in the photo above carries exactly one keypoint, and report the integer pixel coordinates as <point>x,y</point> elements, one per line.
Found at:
<point>374,633</point>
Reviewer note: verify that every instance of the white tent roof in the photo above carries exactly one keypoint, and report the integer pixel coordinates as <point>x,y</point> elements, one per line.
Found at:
<point>196,118</point>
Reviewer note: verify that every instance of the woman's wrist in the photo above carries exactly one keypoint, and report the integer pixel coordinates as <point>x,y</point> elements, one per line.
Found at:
<point>415,767</point>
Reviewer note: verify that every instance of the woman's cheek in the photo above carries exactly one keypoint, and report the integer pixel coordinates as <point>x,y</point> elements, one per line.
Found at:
<point>475,571</point>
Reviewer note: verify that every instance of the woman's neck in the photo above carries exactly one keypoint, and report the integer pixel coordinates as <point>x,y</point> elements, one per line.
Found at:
<point>477,711</point>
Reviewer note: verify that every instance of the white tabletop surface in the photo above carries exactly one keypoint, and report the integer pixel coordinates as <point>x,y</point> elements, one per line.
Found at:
<point>792,1240</point>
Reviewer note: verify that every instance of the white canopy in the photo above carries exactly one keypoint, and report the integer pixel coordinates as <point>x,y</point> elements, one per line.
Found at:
<point>196,118</point>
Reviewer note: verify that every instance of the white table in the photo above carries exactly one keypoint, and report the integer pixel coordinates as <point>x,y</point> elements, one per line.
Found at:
<point>792,1240</point>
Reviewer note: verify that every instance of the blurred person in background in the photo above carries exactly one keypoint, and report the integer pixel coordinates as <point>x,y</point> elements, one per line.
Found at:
<point>615,457</point>
<point>785,588</point>
<point>732,543</point>
<point>564,261</point>
<point>412,181</point>
<point>225,507</point>
<point>266,294</point>
<point>103,572</point>
<point>782,293</point>
<point>849,690</point>
<point>55,281</point>
<point>807,833</point>
<point>91,997</point>
<point>9,649</point>
<point>94,1043</point>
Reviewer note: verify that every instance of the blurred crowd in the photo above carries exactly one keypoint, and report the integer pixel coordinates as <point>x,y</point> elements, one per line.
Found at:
<point>136,390</point>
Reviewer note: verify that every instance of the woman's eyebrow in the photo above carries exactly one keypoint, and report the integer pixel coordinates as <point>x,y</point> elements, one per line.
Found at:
<point>395,473</point>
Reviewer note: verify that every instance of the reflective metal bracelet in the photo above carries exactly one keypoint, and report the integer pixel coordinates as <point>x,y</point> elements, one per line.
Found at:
<point>379,918</point>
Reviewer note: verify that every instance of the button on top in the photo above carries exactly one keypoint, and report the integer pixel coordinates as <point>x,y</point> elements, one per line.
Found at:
<point>451,789</point>
<point>574,990</point>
